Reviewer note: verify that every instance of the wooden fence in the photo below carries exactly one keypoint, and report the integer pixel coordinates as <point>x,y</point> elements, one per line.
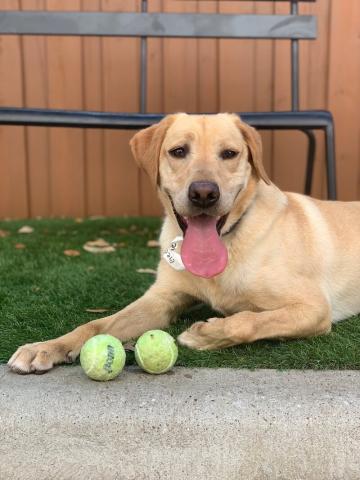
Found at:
<point>46,172</point>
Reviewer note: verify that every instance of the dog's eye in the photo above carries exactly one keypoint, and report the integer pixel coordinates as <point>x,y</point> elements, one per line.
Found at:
<point>228,154</point>
<point>179,152</point>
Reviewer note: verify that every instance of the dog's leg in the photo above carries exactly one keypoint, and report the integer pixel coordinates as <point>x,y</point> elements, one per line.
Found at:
<point>293,321</point>
<point>155,309</point>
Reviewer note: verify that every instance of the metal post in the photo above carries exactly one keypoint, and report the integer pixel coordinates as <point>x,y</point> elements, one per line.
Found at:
<point>143,65</point>
<point>294,63</point>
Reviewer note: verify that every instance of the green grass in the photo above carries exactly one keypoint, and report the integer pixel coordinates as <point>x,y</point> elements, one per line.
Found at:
<point>44,294</point>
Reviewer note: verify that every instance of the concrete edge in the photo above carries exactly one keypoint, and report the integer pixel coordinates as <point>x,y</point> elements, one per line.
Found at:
<point>197,423</point>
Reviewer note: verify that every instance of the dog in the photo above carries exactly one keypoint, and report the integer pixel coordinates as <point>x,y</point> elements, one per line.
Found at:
<point>276,265</point>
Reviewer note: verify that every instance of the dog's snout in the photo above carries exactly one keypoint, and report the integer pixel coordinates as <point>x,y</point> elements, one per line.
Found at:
<point>203,194</point>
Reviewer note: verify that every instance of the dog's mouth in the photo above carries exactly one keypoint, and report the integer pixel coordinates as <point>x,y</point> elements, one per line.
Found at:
<point>184,221</point>
<point>202,251</point>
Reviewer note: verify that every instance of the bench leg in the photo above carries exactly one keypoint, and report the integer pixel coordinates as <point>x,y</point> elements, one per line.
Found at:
<point>310,161</point>
<point>330,161</point>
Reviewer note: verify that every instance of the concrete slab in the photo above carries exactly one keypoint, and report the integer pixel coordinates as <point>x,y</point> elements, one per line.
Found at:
<point>198,424</point>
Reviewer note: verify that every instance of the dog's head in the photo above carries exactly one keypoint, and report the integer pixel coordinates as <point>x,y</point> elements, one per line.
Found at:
<point>204,167</point>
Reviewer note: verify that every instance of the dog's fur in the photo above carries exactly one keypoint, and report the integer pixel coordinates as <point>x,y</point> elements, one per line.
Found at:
<point>294,262</point>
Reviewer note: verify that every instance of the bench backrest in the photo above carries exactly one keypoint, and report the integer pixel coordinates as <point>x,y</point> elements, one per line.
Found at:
<point>180,25</point>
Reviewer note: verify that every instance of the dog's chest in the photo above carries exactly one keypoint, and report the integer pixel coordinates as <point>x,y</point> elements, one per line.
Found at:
<point>227,294</point>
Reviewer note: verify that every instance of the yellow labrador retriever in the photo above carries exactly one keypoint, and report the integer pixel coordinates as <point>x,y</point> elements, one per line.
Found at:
<point>275,264</point>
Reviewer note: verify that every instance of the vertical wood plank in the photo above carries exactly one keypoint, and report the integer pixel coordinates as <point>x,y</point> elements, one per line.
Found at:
<point>237,65</point>
<point>37,138</point>
<point>344,94</point>
<point>13,161</point>
<point>208,57</point>
<point>181,69</point>
<point>155,61</point>
<point>64,56</point>
<point>121,93</point>
<point>93,100</point>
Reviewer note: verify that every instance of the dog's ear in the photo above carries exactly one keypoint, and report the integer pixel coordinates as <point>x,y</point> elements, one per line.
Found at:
<point>146,145</point>
<point>253,141</point>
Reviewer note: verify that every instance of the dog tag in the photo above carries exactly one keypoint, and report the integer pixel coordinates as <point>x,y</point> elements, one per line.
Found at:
<point>172,257</point>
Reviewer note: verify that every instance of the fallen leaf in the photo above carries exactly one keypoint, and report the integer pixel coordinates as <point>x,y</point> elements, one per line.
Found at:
<point>20,246</point>
<point>90,268</point>
<point>98,246</point>
<point>71,253</point>
<point>129,346</point>
<point>4,233</point>
<point>79,220</point>
<point>96,310</point>
<point>146,270</point>
<point>26,229</point>
<point>100,243</point>
<point>123,231</point>
<point>153,243</point>
<point>133,228</point>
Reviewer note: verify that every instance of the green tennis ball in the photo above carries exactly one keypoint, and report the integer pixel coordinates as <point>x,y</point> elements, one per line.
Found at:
<point>156,351</point>
<point>102,357</point>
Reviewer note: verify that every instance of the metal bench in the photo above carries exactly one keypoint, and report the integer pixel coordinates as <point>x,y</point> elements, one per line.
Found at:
<point>292,27</point>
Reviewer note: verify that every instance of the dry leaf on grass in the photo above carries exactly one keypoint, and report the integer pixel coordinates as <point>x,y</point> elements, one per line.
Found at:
<point>146,270</point>
<point>26,229</point>
<point>4,233</point>
<point>98,246</point>
<point>133,228</point>
<point>129,346</point>
<point>96,310</point>
<point>20,246</point>
<point>123,231</point>
<point>79,220</point>
<point>71,253</point>
<point>153,243</point>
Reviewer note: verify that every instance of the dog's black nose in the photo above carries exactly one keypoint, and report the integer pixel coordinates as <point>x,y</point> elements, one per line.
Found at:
<point>203,194</point>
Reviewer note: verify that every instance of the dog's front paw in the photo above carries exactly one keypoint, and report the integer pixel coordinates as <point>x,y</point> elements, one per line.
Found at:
<point>38,357</point>
<point>205,335</point>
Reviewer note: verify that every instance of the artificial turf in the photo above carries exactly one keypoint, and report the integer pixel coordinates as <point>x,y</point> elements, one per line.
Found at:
<point>44,294</point>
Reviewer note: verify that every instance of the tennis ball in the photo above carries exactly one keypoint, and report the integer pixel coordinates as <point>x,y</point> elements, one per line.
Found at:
<point>156,351</point>
<point>102,357</point>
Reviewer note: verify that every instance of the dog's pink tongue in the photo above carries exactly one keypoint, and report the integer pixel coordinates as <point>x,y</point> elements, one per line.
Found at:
<point>202,251</point>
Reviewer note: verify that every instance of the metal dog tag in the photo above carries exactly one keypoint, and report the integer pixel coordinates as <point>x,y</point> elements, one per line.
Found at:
<point>172,257</point>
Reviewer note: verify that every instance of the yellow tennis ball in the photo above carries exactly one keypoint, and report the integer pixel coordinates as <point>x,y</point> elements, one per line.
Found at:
<point>102,357</point>
<point>156,351</point>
